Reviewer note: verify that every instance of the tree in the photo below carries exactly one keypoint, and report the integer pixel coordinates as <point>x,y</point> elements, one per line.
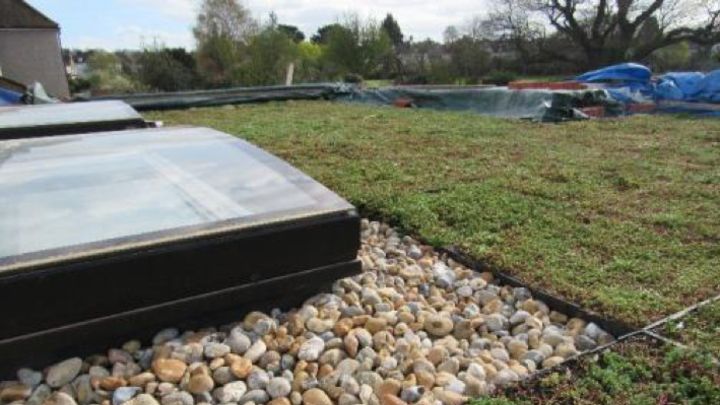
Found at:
<point>392,29</point>
<point>341,53</point>
<point>323,33</point>
<point>222,30</point>
<point>224,18</point>
<point>106,75</point>
<point>469,60</point>
<point>610,31</point>
<point>166,69</point>
<point>673,57</point>
<point>451,34</point>
<point>267,57</point>
<point>357,47</point>
<point>309,66</point>
<point>425,62</point>
<point>292,32</point>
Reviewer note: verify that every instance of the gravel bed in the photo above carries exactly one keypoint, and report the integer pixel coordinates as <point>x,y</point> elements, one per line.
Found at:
<point>412,328</point>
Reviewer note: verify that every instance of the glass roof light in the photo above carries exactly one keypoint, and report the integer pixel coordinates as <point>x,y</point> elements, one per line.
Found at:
<point>116,232</point>
<point>67,118</point>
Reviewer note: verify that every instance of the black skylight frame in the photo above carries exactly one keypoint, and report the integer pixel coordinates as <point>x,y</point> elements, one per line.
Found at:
<point>99,294</point>
<point>27,121</point>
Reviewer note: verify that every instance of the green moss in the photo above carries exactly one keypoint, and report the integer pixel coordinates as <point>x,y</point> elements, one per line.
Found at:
<point>637,372</point>
<point>700,329</point>
<point>617,215</point>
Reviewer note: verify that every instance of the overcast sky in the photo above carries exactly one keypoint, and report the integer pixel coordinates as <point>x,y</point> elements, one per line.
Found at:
<point>127,24</point>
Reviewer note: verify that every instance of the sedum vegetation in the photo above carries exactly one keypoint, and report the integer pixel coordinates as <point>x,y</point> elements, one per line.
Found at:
<point>618,216</point>
<point>634,372</point>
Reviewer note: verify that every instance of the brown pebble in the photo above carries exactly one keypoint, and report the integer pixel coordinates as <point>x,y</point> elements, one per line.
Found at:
<point>200,384</point>
<point>112,383</point>
<point>169,370</point>
<point>390,387</point>
<point>316,396</point>
<point>241,368</point>
<point>375,325</point>
<point>141,379</point>
<point>388,399</point>
<point>14,392</point>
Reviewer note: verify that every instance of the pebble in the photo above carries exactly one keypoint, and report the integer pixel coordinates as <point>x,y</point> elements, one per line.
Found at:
<point>214,350</point>
<point>449,397</point>
<point>124,394</point>
<point>231,392</point>
<point>258,379</point>
<point>438,325</point>
<point>223,375</point>
<point>255,351</point>
<point>256,396</point>
<point>279,387</point>
<point>59,398</point>
<point>412,328</point>
<point>241,367</point>
<point>15,392</point>
<point>62,373</point>
<point>412,393</point>
<point>311,349</point>
<point>178,398</point>
<point>506,377</point>
<point>316,396</point>
<point>41,393</point>
<point>29,377</point>
<point>552,361</point>
<point>169,370</point>
<point>317,325</point>
<point>200,383</point>
<point>585,343</point>
<point>143,399</point>
<point>165,335</point>
<point>238,341</point>
<point>84,392</point>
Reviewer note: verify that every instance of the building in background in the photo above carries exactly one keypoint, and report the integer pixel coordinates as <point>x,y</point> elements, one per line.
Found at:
<point>30,48</point>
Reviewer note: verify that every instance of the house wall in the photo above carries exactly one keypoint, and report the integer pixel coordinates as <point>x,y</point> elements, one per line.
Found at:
<point>33,55</point>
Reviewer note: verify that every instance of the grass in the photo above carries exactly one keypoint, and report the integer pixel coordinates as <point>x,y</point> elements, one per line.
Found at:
<point>620,216</point>
<point>700,329</point>
<point>634,372</point>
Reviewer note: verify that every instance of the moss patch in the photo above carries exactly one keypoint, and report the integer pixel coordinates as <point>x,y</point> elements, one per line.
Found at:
<point>617,215</point>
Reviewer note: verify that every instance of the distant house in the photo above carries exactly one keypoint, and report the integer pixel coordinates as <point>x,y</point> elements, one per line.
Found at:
<point>30,48</point>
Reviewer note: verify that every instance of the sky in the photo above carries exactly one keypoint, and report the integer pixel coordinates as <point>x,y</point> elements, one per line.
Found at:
<point>130,24</point>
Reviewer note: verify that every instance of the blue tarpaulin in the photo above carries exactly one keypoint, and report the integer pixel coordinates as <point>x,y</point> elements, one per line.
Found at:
<point>626,82</point>
<point>622,74</point>
<point>8,97</point>
<point>632,83</point>
<point>677,85</point>
<point>708,89</point>
<point>689,86</point>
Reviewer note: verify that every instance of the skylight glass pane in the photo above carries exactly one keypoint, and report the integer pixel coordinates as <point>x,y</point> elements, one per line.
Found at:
<point>65,114</point>
<point>77,195</point>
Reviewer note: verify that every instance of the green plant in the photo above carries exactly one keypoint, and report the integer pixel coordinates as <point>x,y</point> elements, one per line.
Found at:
<point>494,191</point>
